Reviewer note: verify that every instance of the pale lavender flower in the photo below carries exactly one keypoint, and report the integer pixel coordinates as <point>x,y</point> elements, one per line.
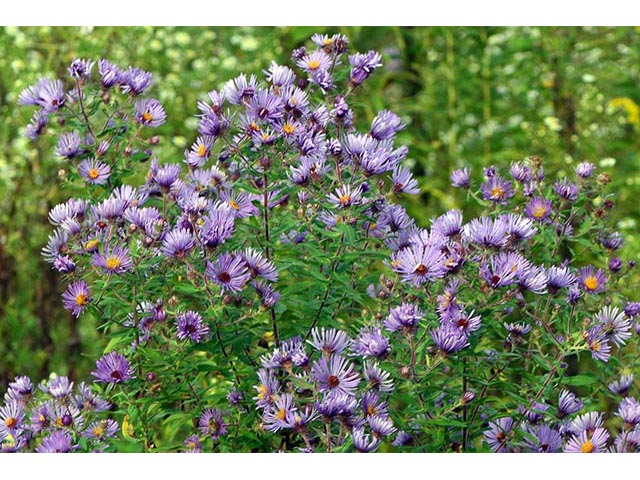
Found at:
<point>94,171</point>
<point>461,178</point>
<point>229,271</point>
<point>335,375</point>
<point>212,424</point>
<point>149,112</point>
<point>568,403</point>
<point>329,340</point>
<point>76,297</point>
<point>190,325</point>
<point>371,342</point>
<point>113,368</point>
<point>586,443</point>
<point>615,325</point>
<point>622,386</point>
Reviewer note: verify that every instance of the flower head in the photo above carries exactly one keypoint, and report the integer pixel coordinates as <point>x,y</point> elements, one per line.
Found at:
<point>113,368</point>
<point>212,424</point>
<point>149,112</point>
<point>94,171</point>
<point>76,297</point>
<point>335,375</point>
<point>190,325</point>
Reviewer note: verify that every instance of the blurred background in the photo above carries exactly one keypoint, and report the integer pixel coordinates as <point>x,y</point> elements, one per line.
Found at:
<point>470,97</point>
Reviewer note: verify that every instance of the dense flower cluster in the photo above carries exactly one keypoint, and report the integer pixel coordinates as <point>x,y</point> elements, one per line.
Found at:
<point>278,219</point>
<point>54,417</point>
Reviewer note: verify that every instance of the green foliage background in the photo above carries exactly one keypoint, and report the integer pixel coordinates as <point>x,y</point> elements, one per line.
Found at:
<point>470,96</point>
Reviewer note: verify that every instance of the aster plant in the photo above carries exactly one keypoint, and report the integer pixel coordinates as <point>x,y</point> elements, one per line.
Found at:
<point>269,292</point>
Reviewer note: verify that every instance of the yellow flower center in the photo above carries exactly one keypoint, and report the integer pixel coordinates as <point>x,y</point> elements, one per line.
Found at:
<point>98,431</point>
<point>539,212</point>
<point>202,150</point>
<point>313,64</point>
<point>595,346</point>
<point>254,126</point>
<point>10,422</point>
<point>497,192</point>
<point>91,244</point>
<point>371,410</point>
<point>591,283</point>
<point>234,204</point>
<point>93,173</point>
<point>147,117</point>
<point>288,128</point>
<point>81,299</point>
<point>587,447</point>
<point>282,414</point>
<point>262,392</point>
<point>327,41</point>
<point>265,136</point>
<point>113,263</point>
<point>344,199</point>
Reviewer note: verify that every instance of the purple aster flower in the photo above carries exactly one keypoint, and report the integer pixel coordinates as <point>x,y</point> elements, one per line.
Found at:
<point>534,279</point>
<point>178,243</point>
<point>58,387</point>
<point>519,227</point>
<point>545,440</point>
<point>335,375</point>
<point>240,89</point>
<point>329,340</point>
<point>269,297</point>
<point>538,209</point>
<point>20,390</point>
<point>212,424</point>
<point>381,426</point>
<point>345,196</point>
<point>218,226</point>
<point>115,261</point>
<point>102,429</point>
<point>497,433</point>
<point>568,403</point>
<point>586,422</point>
<point>517,329</point>
<point>615,325</point>
<point>405,317</point>
<point>363,65</point>
<point>615,264</point>
<point>566,190</point>
<point>113,368</point>
<point>497,189</point>
<point>229,271</point>
<point>234,397</point>
<point>573,295</point>
<point>258,265</point>
<point>291,352</point>
<point>402,439</point>
<point>501,270</point>
<point>622,386</point>
<point>190,325</point>
<point>629,411</point>
<point>448,224</point>
<point>267,389</point>
<point>585,443</point>
<point>373,406</point>
<point>376,378</point>
<point>520,172</point>
<point>337,405</point>
<point>48,94</point>
<point>279,75</point>
<point>418,264</point>
<point>109,73</point>
<point>166,176</point>
<point>76,297</point>
<point>627,442</point>
<point>37,126</point>
<point>192,444</point>
<point>371,342</point>
<point>632,309</point>
<point>461,178</point>
<point>68,145</point>
<point>385,125</point>
<point>134,80</point>
<point>94,171</point>
<point>364,443</point>
<point>11,418</point>
<point>486,232</point>
<point>598,343</point>
<point>613,241</point>
<point>466,323</point>
<point>449,339</point>
<point>403,181</point>
<point>57,442</point>
<point>591,280</point>
<point>81,69</point>
<point>266,106</point>
<point>585,169</point>
<point>87,401</point>
<point>149,112</point>
<point>241,203</point>
<point>275,416</point>
<point>535,412</point>
<point>559,277</point>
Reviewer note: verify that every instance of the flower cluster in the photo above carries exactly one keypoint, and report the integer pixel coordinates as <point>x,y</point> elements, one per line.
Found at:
<point>54,417</point>
<point>283,212</point>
